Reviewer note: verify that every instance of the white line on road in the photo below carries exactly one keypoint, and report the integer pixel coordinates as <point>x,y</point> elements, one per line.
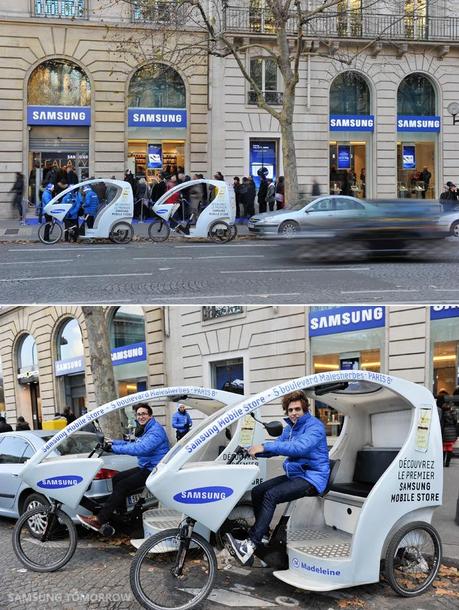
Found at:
<point>230,246</point>
<point>66,248</point>
<point>73,277</point>
<point>298,270</point>
<point>193,258</point>
<point>67,260</point>
<point>379,291</point>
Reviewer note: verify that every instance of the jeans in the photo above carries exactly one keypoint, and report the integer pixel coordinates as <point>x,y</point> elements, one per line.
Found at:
<point>124,483</point>
<point>267,495</point>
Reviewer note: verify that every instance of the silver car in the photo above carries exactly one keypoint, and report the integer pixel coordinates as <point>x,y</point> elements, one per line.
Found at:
<point>17,447</point>
<point>322,213</point>
<point>449,221</point>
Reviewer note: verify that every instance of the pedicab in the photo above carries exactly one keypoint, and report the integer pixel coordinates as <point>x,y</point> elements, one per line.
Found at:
<point>214,221</point>
<point>113,219</point>
<point>65,482</point>
<point>375,515</point>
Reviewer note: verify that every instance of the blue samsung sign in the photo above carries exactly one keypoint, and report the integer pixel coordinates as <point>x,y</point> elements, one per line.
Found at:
<point>349,122</point>
<point>345,319</point>
<point>61,482</point>
<point>418,123</point>
<point>439,312</point>
<point>203,495</point>
<point>136,352</point>
<point>157,117</point>
<point>58,115</point>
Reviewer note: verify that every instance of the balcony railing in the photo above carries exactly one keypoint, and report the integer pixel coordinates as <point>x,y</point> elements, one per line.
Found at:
<point>275,98</point>
<point>65,9</point>
<point>352,25</point>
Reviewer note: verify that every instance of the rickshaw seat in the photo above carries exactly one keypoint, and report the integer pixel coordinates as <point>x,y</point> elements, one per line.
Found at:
<point>369,467</point>
<point>334,465</point>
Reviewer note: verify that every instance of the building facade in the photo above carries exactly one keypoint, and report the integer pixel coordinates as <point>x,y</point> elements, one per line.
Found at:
<point>237,348</point>
<point>371,103</point>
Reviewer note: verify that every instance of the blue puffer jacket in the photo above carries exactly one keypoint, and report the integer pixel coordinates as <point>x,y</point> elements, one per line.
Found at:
<point>46,198</point>
<point>181,421</point>
<point>305,445</point>
<point>150,448</point>
<point>91,203</point>
<point>73,211</point>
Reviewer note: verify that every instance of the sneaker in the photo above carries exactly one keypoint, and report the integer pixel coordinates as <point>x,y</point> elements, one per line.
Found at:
<point>92,522</point>
<point>243,549</point>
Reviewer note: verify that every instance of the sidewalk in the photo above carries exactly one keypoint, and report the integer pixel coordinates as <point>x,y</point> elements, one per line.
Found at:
<point>11,230</point>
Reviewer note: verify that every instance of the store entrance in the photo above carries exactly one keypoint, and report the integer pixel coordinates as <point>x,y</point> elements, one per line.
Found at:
<point>173,157</point>
<point>412,159</point>
<point>35,403</point>
<point>348,168</point>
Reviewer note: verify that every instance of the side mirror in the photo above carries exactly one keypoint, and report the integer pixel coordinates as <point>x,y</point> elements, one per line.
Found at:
<point>274,428</point>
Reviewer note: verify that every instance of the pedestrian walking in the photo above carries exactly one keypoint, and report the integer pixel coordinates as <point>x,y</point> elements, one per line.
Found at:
<point>315,190</point>
<point>448,424</point>
<point>18,197</point>
<point>262,194</point>
<point>280,193</point>
<point>181,421</point>
<point>237,195</point>
<point>21,424</point>
<point>4,427</point>
<point>425,177</point>
<point>69,415</point>
<point>271,195</point>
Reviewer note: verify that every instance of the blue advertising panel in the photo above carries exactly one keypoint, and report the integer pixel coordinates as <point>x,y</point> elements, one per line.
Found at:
<point>345,319</point>
<point>358,122</point>
<point>344,157</point>
<point>157,117</point>
<point>69,366</point>
<point>58,115</point>
<point>439,312</point>
<point>409,156</point>
<point>136,352</point>
<point>263,159</point>
<point>418,123</point>
<point>155,156</point>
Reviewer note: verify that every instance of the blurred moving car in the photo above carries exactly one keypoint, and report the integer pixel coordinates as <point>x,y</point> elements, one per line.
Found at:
<point>449,221</point>
<point>322,213</point>
<point>17,447</point>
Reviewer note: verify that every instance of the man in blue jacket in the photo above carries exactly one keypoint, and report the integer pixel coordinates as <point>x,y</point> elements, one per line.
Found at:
<point>181,421</point>
<point>90,205</point>
<point>149,448</point>
<point>306,468</point>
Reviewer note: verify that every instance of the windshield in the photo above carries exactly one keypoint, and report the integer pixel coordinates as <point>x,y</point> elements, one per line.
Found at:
<point>298,205</point>
<point>79,442</point>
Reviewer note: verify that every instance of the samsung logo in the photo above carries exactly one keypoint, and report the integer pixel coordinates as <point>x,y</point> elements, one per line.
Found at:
<point>203,495</point>
<point>150,117</point>
<point>418,123</point>
<point>346,318</point>
<point>60,482</point>
<point>352,122</point>
<point>57,115</point>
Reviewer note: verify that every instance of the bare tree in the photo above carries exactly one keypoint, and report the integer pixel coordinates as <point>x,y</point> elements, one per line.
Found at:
<point>100,362</point>
<point>291,30</point>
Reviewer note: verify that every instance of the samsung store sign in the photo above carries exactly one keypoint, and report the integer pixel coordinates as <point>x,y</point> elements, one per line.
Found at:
<point>418,123</point>
<point>358,122</point>
<point>136,352</point>
<point>157,117</point>
<point>439,312</point>
<point>59,115</point>
<point>345,319</point>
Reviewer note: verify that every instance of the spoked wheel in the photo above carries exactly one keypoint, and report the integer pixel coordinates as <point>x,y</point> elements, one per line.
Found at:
<point>157,583</point>
<point>288,228</point>
<point>54,548</point>
<point>50,232</point>
<point>413,558</point>
<point>233,232</point>
<point>36,524</point>
<point>220,232</point>
<point>121,233</point>
<point>455,229</point>
<point>158,230</point>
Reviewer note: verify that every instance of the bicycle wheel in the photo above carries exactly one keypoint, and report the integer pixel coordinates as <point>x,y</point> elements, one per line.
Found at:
<point>220,232</point>
<point>158,230</point>
<point>413,558</point>
<point>54,548</point>
<point>121,233</point>
<point>233,232</point>
<point>152,578</point>
<point>50,232</point>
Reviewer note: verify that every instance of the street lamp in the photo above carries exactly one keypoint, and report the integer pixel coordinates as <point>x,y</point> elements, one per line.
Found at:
<point>453,109</point>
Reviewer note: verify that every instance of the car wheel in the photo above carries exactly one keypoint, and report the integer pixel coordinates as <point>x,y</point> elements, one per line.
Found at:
<point>36,524</point>
<point>288,228</point>
<point>455,229</point>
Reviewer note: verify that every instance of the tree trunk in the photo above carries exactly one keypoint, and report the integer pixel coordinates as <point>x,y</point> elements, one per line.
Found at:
<point>289,161</point>
<point>100,363</point>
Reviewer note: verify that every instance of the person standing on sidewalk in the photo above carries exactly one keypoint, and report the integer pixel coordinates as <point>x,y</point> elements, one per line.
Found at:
<point>306,468</point>
<point>181,421</point>
<point>448,423</point>
<point>149,448</point>
<point>18,190</point>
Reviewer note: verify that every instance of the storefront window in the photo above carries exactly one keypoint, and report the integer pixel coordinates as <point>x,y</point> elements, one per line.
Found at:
<point>58,82</point>
<point>70,341</point>
<point>418,129</point>
<point>445,351</point>
<point>27,355</point>
<point>349,94</point>
<point>28,377</point>
<point>157,86</point>
<point>70,368</point>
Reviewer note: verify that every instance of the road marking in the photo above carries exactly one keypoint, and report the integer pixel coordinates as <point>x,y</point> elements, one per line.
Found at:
<point>73,277</point>
<point>379,291</point>
<point>446,289</point>
<point>298,270</point>
<point>68,260</point>
<point>67,248</point>
<point>232,246</point>
<point>193,258</point>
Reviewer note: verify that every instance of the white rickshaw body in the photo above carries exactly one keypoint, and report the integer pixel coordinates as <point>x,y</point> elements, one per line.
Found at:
<point>221,208</point>
<point>67,480</point>
<point>390,474</point>
<point>119,206</point>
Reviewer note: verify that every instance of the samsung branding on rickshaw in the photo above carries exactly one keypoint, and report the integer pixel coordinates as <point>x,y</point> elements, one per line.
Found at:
<point>203,495</point>
<point>60,482</point>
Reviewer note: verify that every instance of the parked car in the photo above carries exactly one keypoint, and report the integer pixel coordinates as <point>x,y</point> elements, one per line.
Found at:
<point>17,447</point>
<point>450,221</point>
<point>322,213</point>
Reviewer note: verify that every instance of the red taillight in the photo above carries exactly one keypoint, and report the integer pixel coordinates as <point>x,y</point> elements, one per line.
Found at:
<point>105,473</point>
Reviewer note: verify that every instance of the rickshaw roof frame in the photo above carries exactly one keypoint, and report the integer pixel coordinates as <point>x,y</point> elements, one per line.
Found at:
<point>119,183</point>
<point>185,185</point>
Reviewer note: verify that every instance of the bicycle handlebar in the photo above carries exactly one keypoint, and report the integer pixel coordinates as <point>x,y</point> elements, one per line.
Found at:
<point>239,452</point>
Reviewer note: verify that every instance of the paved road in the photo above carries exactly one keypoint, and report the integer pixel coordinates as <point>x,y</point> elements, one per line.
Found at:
<point>97,577</point>
<point>243,271</point>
